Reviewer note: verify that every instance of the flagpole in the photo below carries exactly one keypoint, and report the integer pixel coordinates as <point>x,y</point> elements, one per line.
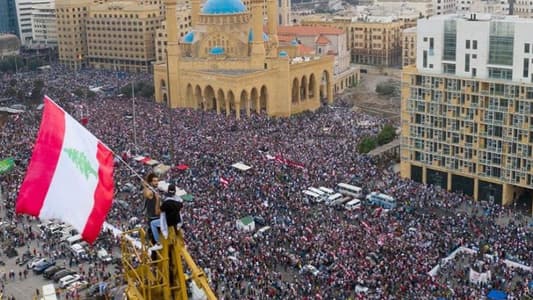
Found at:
<point>134,121</point>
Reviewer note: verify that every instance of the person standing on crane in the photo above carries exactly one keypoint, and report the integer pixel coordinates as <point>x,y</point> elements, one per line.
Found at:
<point>170,216</point>
<point>151,201</point>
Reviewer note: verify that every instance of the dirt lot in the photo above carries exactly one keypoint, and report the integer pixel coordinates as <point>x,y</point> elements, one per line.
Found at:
<point>365,98</point>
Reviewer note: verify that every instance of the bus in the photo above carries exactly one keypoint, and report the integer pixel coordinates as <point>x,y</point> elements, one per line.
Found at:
<point>348,189</point>
<point>312,196</point>
<point>382,200</point>
<point>353,204</point>
<point>317,191</point>
<point>327,190</point>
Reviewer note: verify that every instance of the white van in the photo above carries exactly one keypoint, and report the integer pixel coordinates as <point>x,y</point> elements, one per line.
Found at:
<point>73,239</point>
<point>312,196</point>
<point>332,198</point>
<point>350,190</point>
<point>340,201</point>
<point>354,204</point>
<point>327,190</point>
<point>79,251</point>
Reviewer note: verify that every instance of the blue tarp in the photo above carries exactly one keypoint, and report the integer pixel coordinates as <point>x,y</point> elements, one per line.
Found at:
<point>497,295</point>
<point>531,284</point>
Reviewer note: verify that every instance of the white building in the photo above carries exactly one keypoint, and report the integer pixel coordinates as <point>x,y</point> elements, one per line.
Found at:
<point>523,8</point>
<point>493,7</point>
<point>24,13</point>
<point>476,46</point>
<point>44,29</point>
<point>442,7</point>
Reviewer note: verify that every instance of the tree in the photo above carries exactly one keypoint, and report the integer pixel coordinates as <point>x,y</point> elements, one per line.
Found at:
<point>367,144</point>
<point>387,134</point>
<point>385,88</point>
<point>78,92</point>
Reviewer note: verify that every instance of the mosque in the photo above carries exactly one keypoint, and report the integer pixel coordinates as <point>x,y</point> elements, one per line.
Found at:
<point>232,62</point>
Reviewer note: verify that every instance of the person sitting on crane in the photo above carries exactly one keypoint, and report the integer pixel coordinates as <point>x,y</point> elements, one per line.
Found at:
<point>170,216</point>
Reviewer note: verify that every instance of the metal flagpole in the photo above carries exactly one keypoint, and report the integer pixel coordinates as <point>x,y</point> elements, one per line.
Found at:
<point>134,120</point>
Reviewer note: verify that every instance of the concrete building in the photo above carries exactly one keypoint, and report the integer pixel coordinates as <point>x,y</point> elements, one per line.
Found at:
<point>372,40</point>
<point>24,17</point>
<point>443,7</point>
<point>421,8</point>
<point>44,25</point>
<point>121,35</point>
<point>320,41</point>
<point>493,7</point>
<point>467,107</point>
<point>71,34</point>
<point>409,46</point>
<point>229,64</point>
<point>9,45</point>
<point>8,17</point>
<point>523,8</point>
<point>183,14</point>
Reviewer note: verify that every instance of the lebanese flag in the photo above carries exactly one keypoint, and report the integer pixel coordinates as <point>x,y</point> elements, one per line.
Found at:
<point>224,182</point>
<point>70,175</point>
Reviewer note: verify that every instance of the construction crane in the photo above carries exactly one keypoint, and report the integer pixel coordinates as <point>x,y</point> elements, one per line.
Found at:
<point>160,275</point>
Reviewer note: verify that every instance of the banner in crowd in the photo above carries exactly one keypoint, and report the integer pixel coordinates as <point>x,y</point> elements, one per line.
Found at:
<point>6,165</point>
<point>476,277</point>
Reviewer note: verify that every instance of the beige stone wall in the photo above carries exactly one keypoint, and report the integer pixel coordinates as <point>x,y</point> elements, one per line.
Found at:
<point>409,47</point>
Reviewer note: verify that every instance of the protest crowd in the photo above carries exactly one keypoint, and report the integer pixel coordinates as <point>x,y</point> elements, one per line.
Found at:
<point>365,253</point>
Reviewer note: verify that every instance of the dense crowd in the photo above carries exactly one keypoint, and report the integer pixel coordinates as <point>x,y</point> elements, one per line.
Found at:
<point>386,255</point>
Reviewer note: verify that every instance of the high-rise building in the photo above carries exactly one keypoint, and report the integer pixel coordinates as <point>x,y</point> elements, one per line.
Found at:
<point>71,35</point>
<point>523,8</point>
<point>183,13</point>
<point>467,107</point>
<point>409,46</point>
<point>443,7</point>
<point>24,13</point>
<point>8,17</point>
<point>44,25</point>
<point>121,35</point>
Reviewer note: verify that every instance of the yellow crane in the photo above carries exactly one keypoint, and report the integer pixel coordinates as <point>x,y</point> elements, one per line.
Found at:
<point>160,275</point>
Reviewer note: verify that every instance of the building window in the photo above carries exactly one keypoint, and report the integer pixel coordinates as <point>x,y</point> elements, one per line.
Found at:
<point>450,39</point>
<point>500,73</point>
<point>467,44</point>
<point>425,59</point>
<point>474,44</point>
<point>467,62</point>
<point>526,68</point>
<point>431,44</point>
<point>501,43</point>
<point>526,48</point>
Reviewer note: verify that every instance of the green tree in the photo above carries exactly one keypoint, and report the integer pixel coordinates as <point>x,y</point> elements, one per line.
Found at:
<point>367,144</point>
<point>385,88</point>
<point>79,92</point>
<point>91,94</point>
<point>387,134</point>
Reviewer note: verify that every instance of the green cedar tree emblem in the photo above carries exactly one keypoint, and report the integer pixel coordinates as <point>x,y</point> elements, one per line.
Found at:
<point>81,161</point>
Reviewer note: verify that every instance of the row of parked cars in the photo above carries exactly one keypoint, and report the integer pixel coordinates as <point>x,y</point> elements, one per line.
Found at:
<point>348,196</point>
<point>66,278</point>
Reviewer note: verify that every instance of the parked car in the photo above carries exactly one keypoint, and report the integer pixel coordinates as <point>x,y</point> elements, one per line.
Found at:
<point>62,274</point>
<point>40,267</point>
<point>78,285</point>
<point>32,263</point>
<point>48,273</point>
<point>69,279</point>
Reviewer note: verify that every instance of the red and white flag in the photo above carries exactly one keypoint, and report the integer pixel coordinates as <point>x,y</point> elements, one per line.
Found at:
<point>70,175</point>
<point>224,182</point>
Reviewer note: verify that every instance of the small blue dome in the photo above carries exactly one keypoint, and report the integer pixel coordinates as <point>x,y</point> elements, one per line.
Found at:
<point>295,42</point>
<point>251,36</point>
<point>189,37</point>
<point>216,50</point>
<point>218,7</point>
<point>283,54</point>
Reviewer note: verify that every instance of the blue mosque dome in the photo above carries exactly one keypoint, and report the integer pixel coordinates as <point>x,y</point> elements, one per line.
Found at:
<point>189,37</point>
<point>216,50</point>
<point>251,36</point>
<point>283,54</point>
<point>221,7</point>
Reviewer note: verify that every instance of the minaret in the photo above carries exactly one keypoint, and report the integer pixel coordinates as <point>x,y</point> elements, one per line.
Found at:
<point>195,12</point>
<point>272,10</point>
<point>173,54</point>
<point>258,45</point>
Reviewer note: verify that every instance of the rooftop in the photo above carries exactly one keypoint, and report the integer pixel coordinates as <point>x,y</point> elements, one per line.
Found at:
<point>308,30</point>
<point>482,17</point>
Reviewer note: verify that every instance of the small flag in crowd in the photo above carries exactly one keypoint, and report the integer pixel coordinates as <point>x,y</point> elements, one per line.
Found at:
<point>70,175</point>
<point>224,181</point>
<point>6,165</point>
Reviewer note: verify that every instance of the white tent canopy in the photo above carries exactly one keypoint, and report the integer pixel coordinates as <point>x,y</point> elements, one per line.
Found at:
<point>241,166</point>
<point>161,169</point>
